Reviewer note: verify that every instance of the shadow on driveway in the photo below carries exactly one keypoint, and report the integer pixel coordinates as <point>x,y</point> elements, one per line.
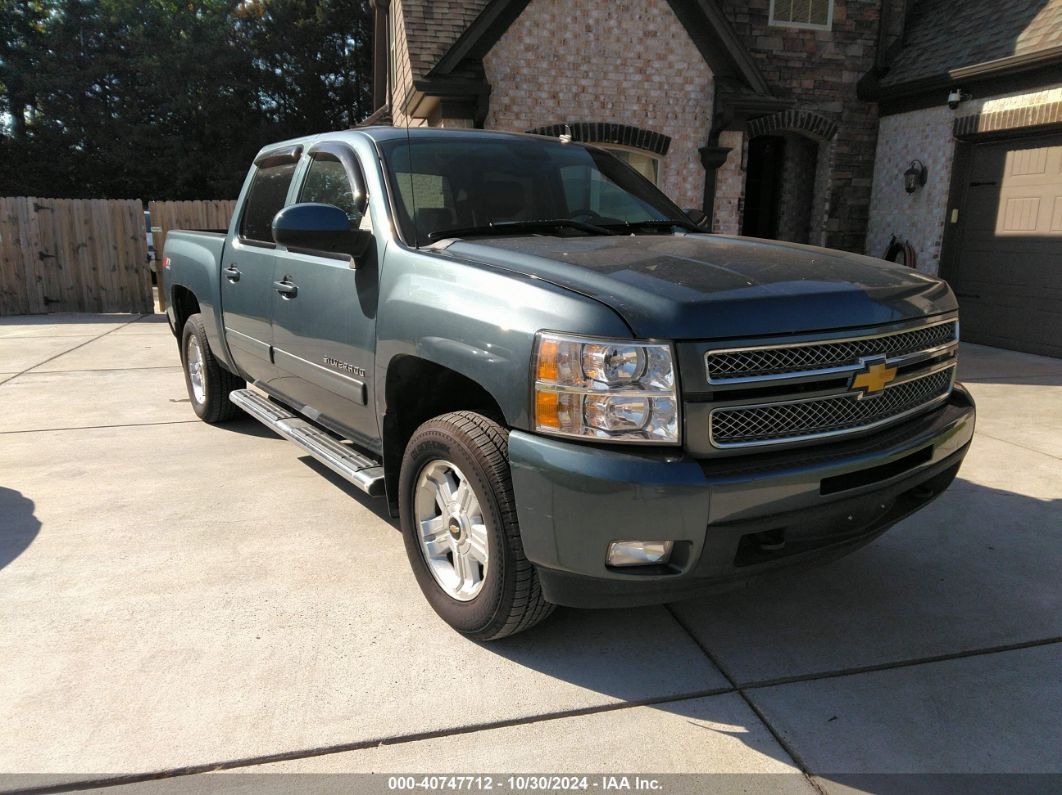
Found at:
<point>976,568</point>
<point>246,426</point>
<point>973,570</point>
<point>18,525</point>
<point>973,574</point>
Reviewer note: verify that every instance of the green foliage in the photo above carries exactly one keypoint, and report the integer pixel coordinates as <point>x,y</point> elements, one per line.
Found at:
<point>170,99</point>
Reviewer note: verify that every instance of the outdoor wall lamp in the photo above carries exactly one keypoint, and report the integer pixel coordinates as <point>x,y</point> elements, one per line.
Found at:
<point>957,96</point>
<point>915,176</point>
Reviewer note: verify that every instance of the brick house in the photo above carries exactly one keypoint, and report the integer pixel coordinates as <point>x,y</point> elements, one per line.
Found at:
<point>787,119</point>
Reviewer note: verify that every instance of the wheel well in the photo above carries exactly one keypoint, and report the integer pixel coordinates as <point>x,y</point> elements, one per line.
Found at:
<point>416,391</point>
<point>185,304</point>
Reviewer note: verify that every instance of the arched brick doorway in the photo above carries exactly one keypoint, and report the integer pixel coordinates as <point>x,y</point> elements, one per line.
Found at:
<point>641,149</point>
<point>787,177</point>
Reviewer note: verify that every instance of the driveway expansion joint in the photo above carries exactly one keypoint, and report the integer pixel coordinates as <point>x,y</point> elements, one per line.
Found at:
<point>101,369</point>
<point>96,427</point>
<point>1016,444</point>
<point>363,745</point>
<point>798,762</point>
<point>111,330</point>
<point>866,669</point>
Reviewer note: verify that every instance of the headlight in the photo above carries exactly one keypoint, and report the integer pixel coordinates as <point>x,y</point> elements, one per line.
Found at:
<point>618,390</point>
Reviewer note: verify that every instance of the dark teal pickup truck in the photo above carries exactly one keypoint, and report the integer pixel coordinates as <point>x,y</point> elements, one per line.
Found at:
<point>568,392</point>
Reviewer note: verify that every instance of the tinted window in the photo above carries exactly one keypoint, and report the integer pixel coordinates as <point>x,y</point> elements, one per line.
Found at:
<point>589,192</point>
<point>264,200</point>
<point>646,165</point>
<point>446,183</point>
<point>326,182</point>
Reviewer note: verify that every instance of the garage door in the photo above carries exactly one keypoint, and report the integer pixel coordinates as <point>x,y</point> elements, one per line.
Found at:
<point>1008,269</point>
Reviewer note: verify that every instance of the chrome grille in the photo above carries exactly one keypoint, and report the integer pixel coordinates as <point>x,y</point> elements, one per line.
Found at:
<point>752,363</point>
<point>739,426</point>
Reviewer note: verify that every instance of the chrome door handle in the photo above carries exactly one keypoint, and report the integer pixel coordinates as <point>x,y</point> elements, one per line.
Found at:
<point>232,273</point>
<point>286,289</point>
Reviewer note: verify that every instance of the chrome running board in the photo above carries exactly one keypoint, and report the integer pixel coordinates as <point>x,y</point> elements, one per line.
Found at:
<point>362,471</point>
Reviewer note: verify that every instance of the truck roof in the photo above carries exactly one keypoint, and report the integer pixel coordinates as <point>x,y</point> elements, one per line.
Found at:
<point>381,133</point>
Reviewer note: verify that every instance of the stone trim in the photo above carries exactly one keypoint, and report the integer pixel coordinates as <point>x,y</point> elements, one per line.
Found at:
<point>805,121</point>
<point>604,133</point>
<point>1013,118</point>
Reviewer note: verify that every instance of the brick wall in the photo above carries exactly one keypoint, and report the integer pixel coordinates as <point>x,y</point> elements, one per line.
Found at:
<point>1011,111</point>
<point>926,135</point>
<point>606,61</point>
<point>918,217</point>
<point>730,185</point>
<point>402,80</point>
<point>798,182</point>
<point>819,70</point>
<point>820,196</point>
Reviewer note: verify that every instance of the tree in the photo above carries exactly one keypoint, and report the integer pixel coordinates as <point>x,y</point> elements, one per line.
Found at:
<point>23,23</point>
<point>313,59</point>
<point>170,98</point>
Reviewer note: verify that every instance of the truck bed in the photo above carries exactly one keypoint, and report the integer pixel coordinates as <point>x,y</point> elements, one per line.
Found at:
<point>186,246</point>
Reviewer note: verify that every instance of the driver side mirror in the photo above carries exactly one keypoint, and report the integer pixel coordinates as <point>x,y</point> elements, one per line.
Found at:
<point>319,228</point>
<point>698,217</point>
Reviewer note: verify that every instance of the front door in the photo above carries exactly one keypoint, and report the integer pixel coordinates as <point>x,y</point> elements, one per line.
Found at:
<point>762,185</point>
<point>247,268</point>
<point>324,320</point>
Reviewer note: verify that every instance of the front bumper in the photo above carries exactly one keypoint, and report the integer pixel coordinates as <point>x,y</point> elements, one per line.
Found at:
<point>730,519</point>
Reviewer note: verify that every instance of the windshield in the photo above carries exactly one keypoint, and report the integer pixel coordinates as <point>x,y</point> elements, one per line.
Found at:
<point>466,183</point>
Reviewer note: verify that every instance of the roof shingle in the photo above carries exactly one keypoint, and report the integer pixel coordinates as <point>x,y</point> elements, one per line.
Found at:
<point>433,26</point>
<point>943,35</point>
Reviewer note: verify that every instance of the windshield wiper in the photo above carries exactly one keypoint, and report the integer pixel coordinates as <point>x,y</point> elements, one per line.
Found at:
<point>517,227</point>
<point>630,226</point>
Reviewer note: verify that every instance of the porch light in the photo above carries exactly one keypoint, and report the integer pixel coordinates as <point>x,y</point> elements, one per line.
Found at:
<point>915,176</point>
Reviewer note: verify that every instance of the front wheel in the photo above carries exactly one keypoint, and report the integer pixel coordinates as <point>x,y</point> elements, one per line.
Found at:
<point>459,521</point>
<point>209,384</point>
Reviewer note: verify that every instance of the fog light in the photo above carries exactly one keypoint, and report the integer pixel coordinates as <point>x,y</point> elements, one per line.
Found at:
<point>638,553</point>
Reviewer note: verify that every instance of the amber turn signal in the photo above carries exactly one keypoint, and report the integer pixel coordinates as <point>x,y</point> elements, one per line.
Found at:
<point>547,409</point>
<point>548,355</point>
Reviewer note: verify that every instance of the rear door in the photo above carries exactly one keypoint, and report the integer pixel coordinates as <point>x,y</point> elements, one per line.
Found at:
<point>247,266</point>
<point>1006,268</point>
<point>324,327</point>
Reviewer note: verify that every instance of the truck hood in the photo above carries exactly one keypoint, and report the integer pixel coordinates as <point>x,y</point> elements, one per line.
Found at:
<point>713,286</point>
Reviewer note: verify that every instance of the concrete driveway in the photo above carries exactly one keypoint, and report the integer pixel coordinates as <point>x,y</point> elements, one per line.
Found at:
<point>177,598</point>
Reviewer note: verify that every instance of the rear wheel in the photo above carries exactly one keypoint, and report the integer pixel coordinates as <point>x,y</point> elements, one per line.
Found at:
<point>459,522</point>
<point>209,384</point>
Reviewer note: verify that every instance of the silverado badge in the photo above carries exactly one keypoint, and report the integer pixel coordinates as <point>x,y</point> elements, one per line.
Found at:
<point>353,369</point>
<point>873,378</point>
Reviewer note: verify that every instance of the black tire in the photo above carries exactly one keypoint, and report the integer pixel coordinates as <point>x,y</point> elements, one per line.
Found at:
<point>218,382</point>
<point>510,599</point>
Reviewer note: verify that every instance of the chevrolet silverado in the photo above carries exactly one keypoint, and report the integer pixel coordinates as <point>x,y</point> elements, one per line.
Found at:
<point>567,391</point>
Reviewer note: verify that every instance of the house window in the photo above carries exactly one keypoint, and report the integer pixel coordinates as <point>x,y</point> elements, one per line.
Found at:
<point>815,14</point>
<point>642,162</point>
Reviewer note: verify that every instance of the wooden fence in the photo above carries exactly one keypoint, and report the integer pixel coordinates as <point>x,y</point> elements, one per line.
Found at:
<point>73,255</point>
<point>165,216</point>
<point>89,255</point>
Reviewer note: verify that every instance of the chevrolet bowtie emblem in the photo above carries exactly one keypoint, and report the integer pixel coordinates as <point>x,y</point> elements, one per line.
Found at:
<point>873,378</point>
